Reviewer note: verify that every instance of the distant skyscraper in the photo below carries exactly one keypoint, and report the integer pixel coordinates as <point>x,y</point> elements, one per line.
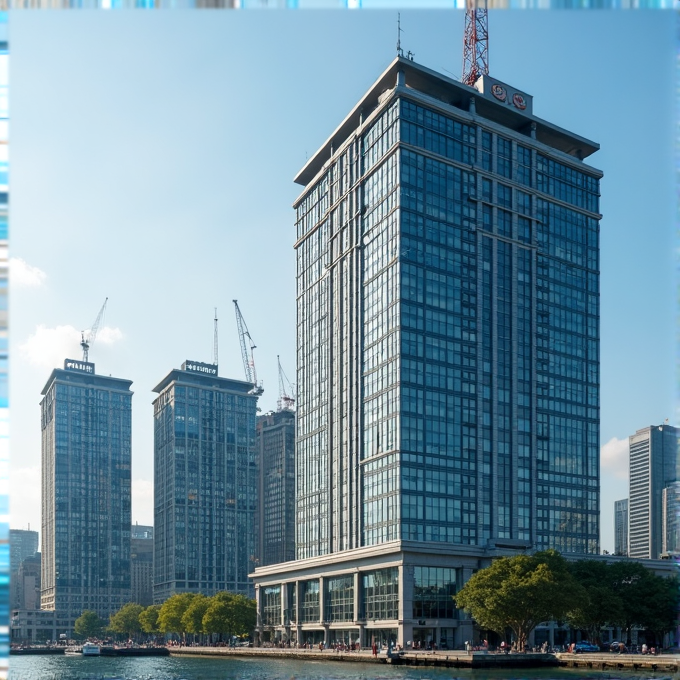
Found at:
<point>205,483</point>
<point>448,356</point>
<point>670,511</point>
<point>276,439</point>
<point>86,457</point>
<point>653,467</point>
<point>28,583</point>
<point>22,544</point>
<point>621,527</point>
<point>141,564</point>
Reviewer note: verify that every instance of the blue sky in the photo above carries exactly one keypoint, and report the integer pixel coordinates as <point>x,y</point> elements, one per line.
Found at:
<point>152,159</point>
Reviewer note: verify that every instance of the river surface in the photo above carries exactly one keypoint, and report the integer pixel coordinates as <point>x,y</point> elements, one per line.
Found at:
<point>169,668</point>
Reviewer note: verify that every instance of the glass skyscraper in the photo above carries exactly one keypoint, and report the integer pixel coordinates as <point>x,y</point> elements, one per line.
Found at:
<point>448,350</point>
<point>654,455</point>
<point>276,517</point>
<point>86,505</point>
<point>205,483</point>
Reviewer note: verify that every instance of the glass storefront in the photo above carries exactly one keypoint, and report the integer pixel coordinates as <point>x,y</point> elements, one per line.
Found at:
<point>381,594</point>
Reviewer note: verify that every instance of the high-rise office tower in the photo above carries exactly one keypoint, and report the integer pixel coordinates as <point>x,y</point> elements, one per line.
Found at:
<point>205,482</point>
<point>621,527</point>
<point>276,517</point>
<point>28,584</point>
<point>448,356</point>
<point>86,506</point>
<point>653,467</point>
<point>22,544</point>
<point>141,564</point>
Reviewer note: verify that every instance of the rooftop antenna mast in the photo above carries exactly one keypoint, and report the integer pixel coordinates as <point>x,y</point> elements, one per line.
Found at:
<point>86,340</point>
<point>475,42</point>
<point>215,361</point>
<point>400,52</point>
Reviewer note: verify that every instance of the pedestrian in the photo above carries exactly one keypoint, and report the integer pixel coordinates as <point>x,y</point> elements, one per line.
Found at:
<point>374,649</point>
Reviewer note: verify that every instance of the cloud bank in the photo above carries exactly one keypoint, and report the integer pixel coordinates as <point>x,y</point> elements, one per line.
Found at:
<point>24,275</point>
<point>614,458</point>
<point>48,347</point>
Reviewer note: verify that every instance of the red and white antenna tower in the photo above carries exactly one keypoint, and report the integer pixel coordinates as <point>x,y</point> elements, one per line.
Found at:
<point>475,42</point>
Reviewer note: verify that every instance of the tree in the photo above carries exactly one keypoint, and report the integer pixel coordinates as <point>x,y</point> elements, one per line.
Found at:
<point>126,620</point>
<point>602,604</point>
<point>218,617</point>
<point>192,619</point>
<point>172,611</point>
<point>231,614</point>
<point>648,601</point>
<point>519,592</point>
<point>148,619</point>
<point>88,624</point>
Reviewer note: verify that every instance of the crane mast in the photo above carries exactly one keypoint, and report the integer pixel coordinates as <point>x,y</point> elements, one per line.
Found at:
<point>475,42</point>
<point>247,352</point>
<point>286,401</point>
<point>86,341</point>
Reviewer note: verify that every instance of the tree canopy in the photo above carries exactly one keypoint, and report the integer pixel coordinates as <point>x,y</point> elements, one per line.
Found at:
<point>148,619</point>
<point>172,611</point>
<point>88,624</point>
<point>126,620</point>
<point>520,592</point>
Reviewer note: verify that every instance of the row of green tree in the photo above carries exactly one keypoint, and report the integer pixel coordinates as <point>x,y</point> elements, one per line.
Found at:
<point>518,593</point>
<point>224,614</point>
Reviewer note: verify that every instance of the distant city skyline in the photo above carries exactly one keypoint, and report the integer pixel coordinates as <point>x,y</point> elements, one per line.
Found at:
<point>143,184</point>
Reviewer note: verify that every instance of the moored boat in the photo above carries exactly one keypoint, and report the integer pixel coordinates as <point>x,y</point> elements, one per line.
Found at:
<point>91,649</point>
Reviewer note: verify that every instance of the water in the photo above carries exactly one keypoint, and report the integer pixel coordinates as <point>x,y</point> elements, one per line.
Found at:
<point>169,668</point>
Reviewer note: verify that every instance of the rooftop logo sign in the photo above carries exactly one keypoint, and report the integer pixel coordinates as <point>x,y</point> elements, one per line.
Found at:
<point>494,89</point>
<point>198,367</point>
<point>80,366</point>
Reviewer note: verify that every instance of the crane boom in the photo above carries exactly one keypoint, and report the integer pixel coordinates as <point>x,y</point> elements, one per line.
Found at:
<point>286,401</point>
<point>247,353</point>
<point>86,341</point>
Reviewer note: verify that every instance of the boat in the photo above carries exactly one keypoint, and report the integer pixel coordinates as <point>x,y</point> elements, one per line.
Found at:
<point>91,649</point>
<point>72,650</point>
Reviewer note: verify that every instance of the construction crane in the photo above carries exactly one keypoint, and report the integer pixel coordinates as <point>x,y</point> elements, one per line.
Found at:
<point>246,354</point>
<point>475,42</point>
<point>87,340</point>
<point>286,401</point>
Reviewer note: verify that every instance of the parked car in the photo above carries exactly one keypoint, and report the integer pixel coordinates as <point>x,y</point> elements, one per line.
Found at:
<point>585,647</point>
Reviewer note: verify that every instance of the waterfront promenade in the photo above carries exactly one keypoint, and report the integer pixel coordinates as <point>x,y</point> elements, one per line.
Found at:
<point>668,663</point>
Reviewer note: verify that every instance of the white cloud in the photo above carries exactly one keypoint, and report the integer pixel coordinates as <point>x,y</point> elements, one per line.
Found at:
<point>614,458</point>
<point>48,347</point>
<point>24,498</point>
<point>142,501</point>
<point>24,275</point>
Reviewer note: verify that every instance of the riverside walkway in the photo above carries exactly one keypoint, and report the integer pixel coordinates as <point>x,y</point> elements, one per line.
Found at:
<point>667,663</point>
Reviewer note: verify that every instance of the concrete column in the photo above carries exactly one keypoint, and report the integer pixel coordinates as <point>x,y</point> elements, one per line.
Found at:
<point>405,611</point>
<point>322,600</point>
<point>357,596</point>
<point>284,604</point>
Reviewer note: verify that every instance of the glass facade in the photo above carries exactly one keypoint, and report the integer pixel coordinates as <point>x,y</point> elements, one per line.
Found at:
<point>381,594</point>
<point>309,601</point>
<point>339,598</point>
<point>433,591</point>
<point>205,485</point>
<point>86,515</point>
<point>276,444</point>
<point>448,339</point>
